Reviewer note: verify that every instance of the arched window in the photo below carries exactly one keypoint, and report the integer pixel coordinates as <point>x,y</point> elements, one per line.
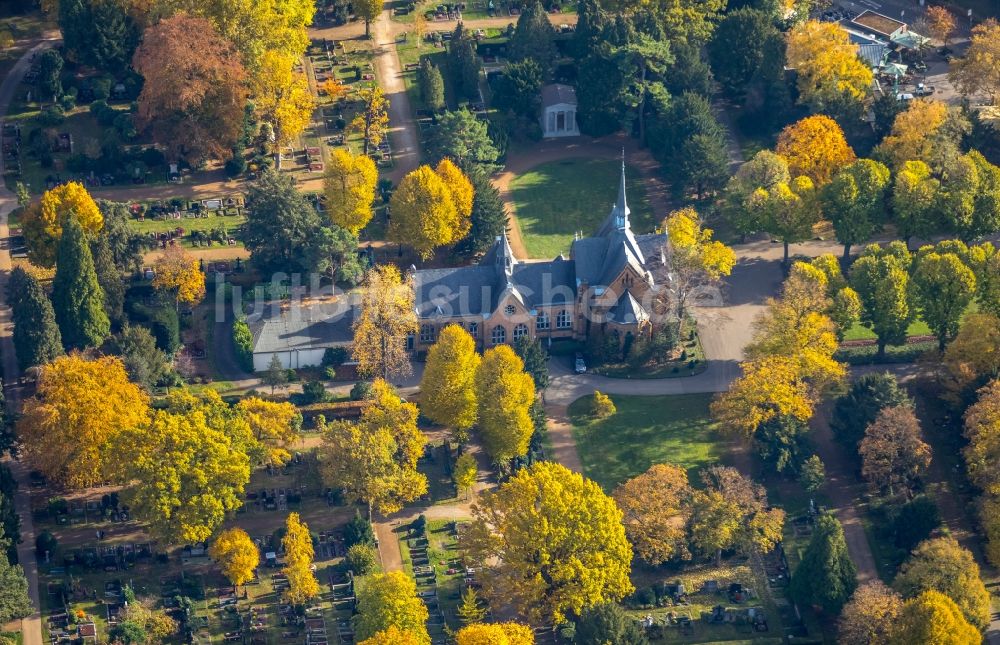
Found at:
<point>426,334</point>
<point>499,336</point>
<point>562,320</point>
<point>542,321</point>
<point>474,329</point>
<point>520,331</point>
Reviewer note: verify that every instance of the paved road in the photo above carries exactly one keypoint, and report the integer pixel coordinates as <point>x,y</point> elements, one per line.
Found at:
<point>31,626</point>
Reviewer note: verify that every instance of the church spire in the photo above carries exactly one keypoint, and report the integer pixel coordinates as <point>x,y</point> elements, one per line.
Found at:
<point>620,213</point>
<point>505,259</point>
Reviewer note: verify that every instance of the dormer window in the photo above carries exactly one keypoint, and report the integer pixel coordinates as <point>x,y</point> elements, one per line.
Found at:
<point>509,310</point>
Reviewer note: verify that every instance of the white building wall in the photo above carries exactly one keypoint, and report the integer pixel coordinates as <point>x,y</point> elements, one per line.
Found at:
<point>293,359</point>
<point>550,121</point>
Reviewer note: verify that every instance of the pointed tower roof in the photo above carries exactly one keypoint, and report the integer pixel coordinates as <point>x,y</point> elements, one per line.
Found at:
<point>618,219</point>
<point>501,257</point>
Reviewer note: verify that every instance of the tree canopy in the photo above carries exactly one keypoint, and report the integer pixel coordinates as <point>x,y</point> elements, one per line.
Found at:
<point>448,387</point>
<point>80,410</point>
<point>551,543</point>
<point>942,565</point>
<point>195,89</point>
<point>375,459</point>
<point>826,576</point>
<point>389,600</point>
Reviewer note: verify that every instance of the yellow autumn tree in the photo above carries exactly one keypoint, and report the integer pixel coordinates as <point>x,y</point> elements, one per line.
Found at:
<point>79,412</point>
<point>550,543</point>
<point>333,88</point>
<point>349,186</point>
<point>655,507</point>
<point>256,27</point>
<point>976,73</point>
<point>298,546</point>
<point>177,272</point>
<point>42,222</point>
<point>275,425</point>
<point>495,634</point>
<point>982,460</point>
<point>912,135</point>
<point>972,356</point>
<point>447,390</point>
<point>770,387</point>
<point>695,258</point>
<point>505,393</point>
<point>941,564</point>
<point>392,636</point>
<point>373,119</point>
<point>932,618</point>
<point>814,147</point>
<point>831,77</point>
<point>797,327</point>
<point>462,194</point>
<point>375,459</point>
<point>236,555</point>
<point>185,475</point>
<point>388,600</point>
<point>424,213</point>
<point>281,96</point>
<point>385,317</point>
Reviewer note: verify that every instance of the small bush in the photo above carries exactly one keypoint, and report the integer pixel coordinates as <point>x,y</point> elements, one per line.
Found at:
<point>334,356</point>
<point>52,116</point>
<point>45,542</point>
<point>101,88</point>
<point>358,531</point>
<point>152,157</point>
<point>314,392</point>
<point>362,391</point>
<point>419,525</point>
<point>602,406</point>
<point>915,521</point>
<point>362,558</point>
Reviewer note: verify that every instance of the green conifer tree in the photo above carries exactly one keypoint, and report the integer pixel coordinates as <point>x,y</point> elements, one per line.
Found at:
<point>77,297</point>
<point>36,335</point>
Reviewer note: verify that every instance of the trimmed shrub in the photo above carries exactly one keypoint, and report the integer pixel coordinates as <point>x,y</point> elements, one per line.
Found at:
<point>362,558</point>
<point>602,406</point>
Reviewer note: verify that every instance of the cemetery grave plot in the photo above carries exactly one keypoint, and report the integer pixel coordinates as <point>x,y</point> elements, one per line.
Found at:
<point>437,464</point>
<point>431,556</point>
<point>73,146</point>
<point>194,223</point>
<point>101,550</point>
<point>702,603</point>
<point>351,63</point>
<point>435,11</point>
<point>432,47</point>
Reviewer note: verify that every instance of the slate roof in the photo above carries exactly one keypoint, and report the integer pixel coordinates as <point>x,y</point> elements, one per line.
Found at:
<point>627,311</point>
<point>595,261</point>
<point>305,327</point>
<point>557,93</point>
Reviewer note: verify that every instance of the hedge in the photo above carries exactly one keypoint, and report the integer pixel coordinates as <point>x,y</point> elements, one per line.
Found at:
<point>243,342</point>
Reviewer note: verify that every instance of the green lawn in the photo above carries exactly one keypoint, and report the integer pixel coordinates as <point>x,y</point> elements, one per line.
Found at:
<point>646,430</point>
<point>917,327</point>
<point>556,199</point>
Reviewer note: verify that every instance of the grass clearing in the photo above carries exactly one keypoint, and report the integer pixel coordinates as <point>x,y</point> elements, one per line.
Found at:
<point>556,199</point>
<point>645,430</point>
